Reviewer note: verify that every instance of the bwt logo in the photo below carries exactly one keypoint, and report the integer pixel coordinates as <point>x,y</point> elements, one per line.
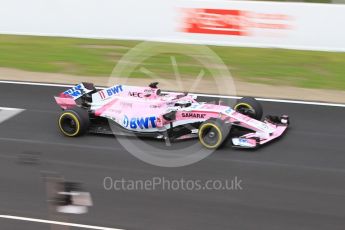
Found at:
<point>114,90</point>
<point>140,122</point>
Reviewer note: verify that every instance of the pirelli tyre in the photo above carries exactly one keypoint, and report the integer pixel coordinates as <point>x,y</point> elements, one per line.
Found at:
<point>212,133</point>
<point>249,106</point>
<point>74,122</point>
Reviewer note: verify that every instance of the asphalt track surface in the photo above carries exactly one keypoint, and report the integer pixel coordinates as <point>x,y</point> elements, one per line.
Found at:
<point>297,182</point>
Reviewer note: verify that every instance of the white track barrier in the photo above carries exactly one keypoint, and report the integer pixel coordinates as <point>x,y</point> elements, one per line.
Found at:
<point>239,23</point>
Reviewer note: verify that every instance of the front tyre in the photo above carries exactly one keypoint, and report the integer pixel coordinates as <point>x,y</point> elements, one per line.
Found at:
<point>250,107</point>
<point>212,133</point>
<point>74,122</point>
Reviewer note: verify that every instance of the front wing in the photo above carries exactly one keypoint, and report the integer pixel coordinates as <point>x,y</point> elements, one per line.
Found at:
<point>256,139</point>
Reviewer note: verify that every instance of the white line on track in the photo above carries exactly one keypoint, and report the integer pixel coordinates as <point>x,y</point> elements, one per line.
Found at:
<point>35,83</point>
<point>7,108</point>
<point>197,94</point>
<point>56,222</point>
<point>7,113</point>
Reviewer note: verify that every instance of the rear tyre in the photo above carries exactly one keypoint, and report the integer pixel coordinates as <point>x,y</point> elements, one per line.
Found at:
<point>250,107</point>
<point>74,122</point>
<point>212,133</point>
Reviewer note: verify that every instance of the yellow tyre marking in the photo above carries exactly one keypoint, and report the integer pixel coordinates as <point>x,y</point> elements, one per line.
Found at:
<point>219,132</point>
<point>243,104</point>
<point>74,117</point>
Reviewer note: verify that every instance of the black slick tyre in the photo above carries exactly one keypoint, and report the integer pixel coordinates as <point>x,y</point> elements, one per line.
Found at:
<point>249,106</point>
<point>212,133</point>
<point>74,122</point>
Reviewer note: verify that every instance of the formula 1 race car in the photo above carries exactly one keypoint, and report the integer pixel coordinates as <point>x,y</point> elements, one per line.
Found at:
<point>146,111</point>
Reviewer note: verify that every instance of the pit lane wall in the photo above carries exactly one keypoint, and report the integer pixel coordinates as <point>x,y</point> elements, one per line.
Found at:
<point>237,23</point>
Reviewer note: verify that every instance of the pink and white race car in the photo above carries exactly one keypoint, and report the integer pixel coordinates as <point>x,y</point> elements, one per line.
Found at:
<point>146,111</point>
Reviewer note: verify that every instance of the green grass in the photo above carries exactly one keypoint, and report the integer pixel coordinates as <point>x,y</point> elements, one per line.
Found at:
<point>91,57</point>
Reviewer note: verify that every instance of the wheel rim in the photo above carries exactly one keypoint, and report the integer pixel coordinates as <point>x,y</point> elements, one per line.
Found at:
<point>210,136</point>
<point>245,109</point>
<point>69,124</point>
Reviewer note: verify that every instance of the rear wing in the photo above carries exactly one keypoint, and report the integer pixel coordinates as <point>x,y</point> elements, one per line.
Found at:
<point>67,99</point>
<point>80,90</point>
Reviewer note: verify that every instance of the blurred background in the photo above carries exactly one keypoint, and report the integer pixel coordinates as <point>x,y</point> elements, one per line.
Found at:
<point>276,49</point>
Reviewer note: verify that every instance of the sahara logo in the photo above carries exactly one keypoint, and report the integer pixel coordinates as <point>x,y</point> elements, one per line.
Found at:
<point>140,122</point>
<point>194,115</point>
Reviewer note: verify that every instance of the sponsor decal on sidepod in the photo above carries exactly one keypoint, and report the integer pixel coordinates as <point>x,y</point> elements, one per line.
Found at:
<point>114,90</point>
<point>139,122</point>
<point>194,115</point>
<point>135,94</point>
<point>111,91</point>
